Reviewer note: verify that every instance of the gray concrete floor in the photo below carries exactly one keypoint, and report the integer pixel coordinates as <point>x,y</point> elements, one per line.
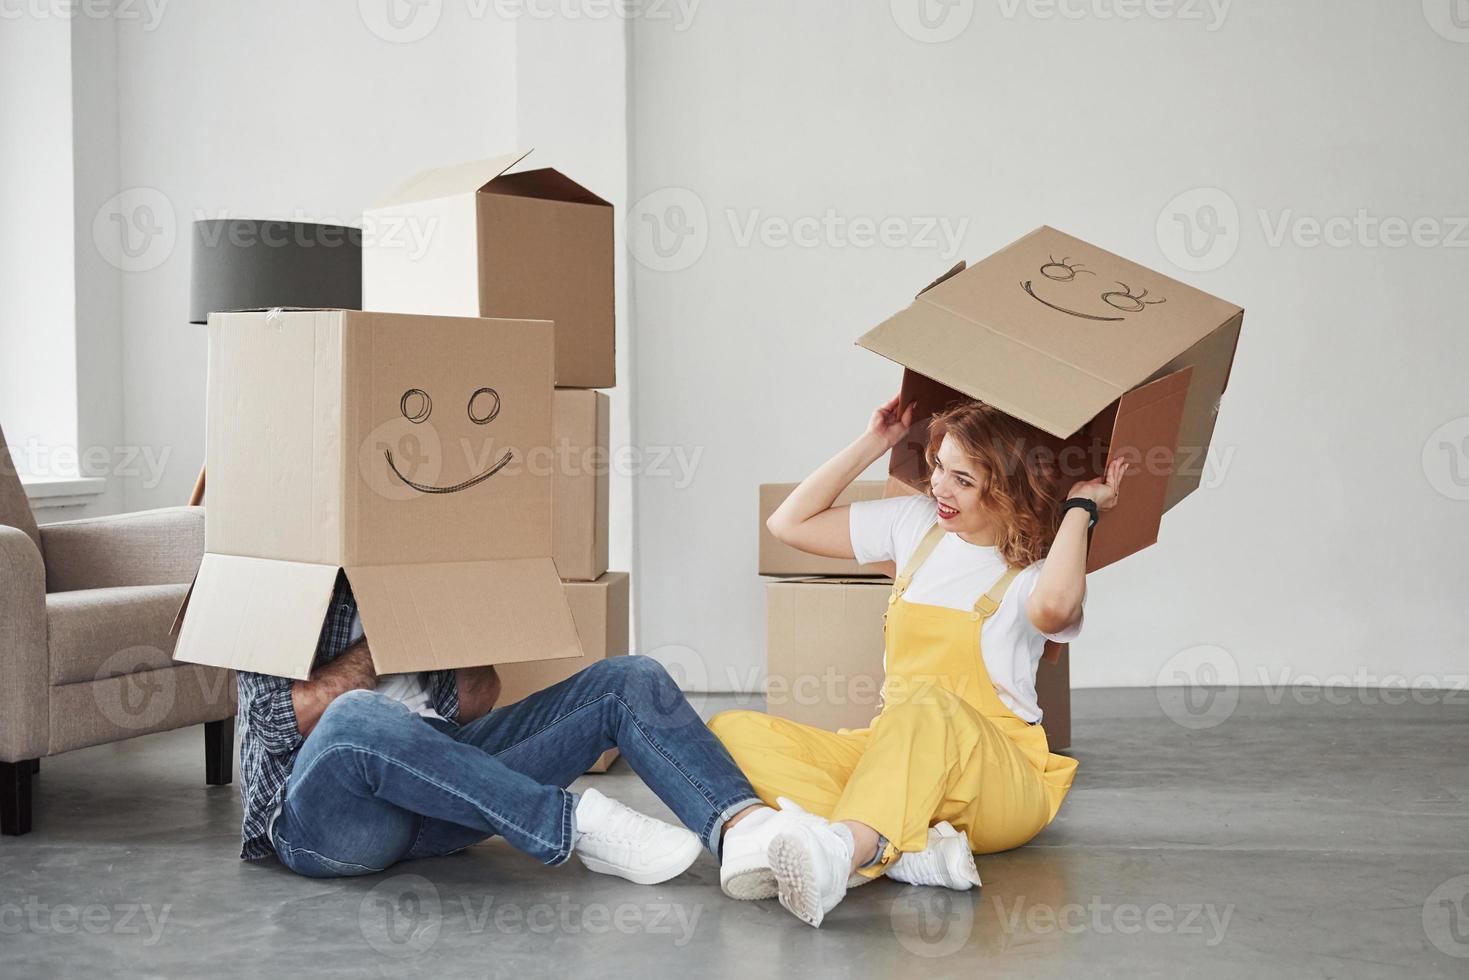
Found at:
<point>1298,837</point>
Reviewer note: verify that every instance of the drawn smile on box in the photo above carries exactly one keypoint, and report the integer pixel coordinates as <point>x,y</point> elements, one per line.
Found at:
<point>416,407</point>
<point>1065,271</point>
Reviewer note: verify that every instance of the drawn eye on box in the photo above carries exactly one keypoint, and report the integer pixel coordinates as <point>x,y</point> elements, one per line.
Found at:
<point>417,405</point>
<point>1060,274</point>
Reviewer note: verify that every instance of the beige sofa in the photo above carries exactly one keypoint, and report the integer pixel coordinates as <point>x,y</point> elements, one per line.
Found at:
<point>85,650</point>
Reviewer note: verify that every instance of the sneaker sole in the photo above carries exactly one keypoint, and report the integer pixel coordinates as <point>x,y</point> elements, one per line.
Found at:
<point>677,865</point>
<point>752,885</point>
<point>795,879</point>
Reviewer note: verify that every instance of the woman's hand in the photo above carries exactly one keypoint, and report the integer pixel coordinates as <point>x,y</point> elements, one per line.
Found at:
<point>888,424</point>
<point>1106,491</point>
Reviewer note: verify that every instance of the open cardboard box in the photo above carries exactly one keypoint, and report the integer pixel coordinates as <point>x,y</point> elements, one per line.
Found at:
<point>1100,356</point>
<point>484,239</point>
<point>391,448</point>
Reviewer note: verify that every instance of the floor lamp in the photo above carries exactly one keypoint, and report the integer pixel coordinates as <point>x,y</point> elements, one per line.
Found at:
<point>254,264</point>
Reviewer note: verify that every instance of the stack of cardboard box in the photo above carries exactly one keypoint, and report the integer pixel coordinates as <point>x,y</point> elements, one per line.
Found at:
<point>503,242</point>
<point>824,638</point>
<point>447,449</point>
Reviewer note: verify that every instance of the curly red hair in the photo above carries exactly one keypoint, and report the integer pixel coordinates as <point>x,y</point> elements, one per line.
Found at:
<point>1018,479</point>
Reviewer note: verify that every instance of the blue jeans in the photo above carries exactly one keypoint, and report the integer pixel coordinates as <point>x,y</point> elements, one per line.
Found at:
<point>375,783</point>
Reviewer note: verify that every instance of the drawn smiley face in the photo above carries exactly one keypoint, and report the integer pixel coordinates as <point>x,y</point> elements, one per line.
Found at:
<point>1122,300</point>
<point>417,406</point>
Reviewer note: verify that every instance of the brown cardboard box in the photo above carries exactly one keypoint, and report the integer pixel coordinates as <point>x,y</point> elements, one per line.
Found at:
<point>1101,356</point>
<point>600,611</point>
<point>393,448</point>
<point>824,656</point>
<point>782,559</point>
<point>580,433</point>
<point>475,239</point>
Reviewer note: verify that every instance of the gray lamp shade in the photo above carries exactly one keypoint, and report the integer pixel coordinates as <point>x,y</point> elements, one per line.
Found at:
<point>245,264</point>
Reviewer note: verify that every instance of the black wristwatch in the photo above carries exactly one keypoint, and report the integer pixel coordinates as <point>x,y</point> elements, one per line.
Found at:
<point>1090,506</point>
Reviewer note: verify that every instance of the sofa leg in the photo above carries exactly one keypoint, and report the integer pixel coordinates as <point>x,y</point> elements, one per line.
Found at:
<point>219,752</point>
<point>15,797</point>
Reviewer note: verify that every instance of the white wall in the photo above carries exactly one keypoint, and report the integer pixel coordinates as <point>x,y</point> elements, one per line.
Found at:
<point>276,109</point>
<point>37,294</point>
<point>1332,545</point>
<point>312,111</point>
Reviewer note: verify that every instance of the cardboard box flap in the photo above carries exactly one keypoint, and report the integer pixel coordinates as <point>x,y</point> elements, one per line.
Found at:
<point>961,354</point>
<point>1145,432</point>
<point>458,178</point>
<point>463,614</point>
<point>255,614</point>
<point>958,267</point>
<point>545,184</point>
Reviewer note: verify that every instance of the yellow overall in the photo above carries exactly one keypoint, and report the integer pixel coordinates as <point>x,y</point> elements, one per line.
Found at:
<point>943,747</point>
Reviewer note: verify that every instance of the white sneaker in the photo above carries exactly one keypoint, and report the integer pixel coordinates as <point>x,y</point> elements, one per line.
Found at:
<point>812,860</point>
<point>614,839</point>
<point>744,868</point>
<point>947,861</point>
<point>744,858</point>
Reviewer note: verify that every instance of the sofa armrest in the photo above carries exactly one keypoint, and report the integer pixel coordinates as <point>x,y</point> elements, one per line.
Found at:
<point>149,547</point>
<point>25,667</point>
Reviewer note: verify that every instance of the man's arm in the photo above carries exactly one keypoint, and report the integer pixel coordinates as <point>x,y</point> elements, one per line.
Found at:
<point>349,672</point>
<point>479,689</point>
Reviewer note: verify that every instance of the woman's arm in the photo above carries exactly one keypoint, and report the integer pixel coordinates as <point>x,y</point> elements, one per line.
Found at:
<point>806,520</point>
<point>1055,603</point>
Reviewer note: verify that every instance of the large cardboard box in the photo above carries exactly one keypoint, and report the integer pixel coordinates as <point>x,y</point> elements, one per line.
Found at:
<point>1101,356</point>
<point>781,559</point>
<point>580,431</point>
<point>600,611</point>
<point>824,656</point>
<point>392,448</point>
<point>478,239</point>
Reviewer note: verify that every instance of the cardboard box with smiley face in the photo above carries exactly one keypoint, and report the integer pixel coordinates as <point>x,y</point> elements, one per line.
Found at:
<point>1099,355</point>
<point>392,449</point>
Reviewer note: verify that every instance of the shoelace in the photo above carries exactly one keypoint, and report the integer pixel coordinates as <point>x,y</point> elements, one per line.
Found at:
<point>619,817</point>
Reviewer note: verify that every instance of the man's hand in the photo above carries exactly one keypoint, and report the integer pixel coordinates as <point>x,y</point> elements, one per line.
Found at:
<point>350,672</point>
<point>479,689</point>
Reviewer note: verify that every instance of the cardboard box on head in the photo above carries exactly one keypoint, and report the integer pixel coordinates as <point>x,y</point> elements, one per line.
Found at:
<point>392,448</point>
<point>476,239</point>
<point>1098,355</point>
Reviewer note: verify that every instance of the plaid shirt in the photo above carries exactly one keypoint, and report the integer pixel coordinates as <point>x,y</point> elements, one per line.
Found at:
<point>269,738</point>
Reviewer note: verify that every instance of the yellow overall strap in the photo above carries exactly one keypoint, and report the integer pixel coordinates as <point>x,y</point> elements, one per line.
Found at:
<point>985,607</point>
<point>920,554</point>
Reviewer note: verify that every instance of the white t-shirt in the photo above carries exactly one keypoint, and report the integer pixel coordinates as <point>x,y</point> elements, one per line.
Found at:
<point>956,574</point>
